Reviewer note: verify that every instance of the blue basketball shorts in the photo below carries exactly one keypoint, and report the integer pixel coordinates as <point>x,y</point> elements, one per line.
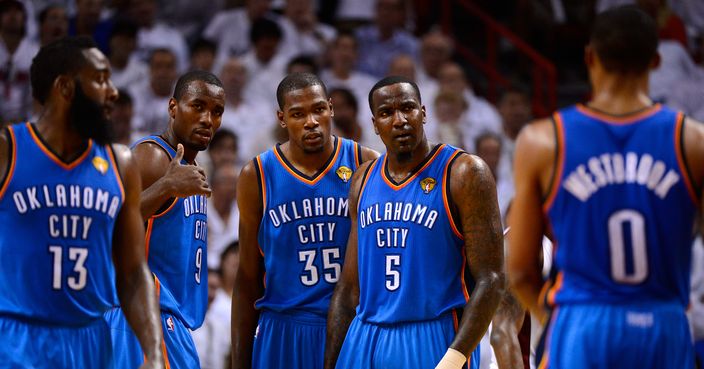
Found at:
<point>415,345</point>
<point>591,336</point>
<point>26,344</point>
<point>178,349</point>
<point>289,341</point>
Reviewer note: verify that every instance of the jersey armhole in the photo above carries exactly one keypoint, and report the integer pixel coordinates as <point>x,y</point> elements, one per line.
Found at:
<point>685,165</point>
<point>457,227</point>
<point>7,175</point>
<point>113,158</point>
<point>260,181</point>
<point>357,154</point>
<point>364,179</point>
<point>549,195</point>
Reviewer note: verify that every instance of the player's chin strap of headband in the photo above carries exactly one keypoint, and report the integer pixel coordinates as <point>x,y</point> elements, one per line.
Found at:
<point>454,359</point>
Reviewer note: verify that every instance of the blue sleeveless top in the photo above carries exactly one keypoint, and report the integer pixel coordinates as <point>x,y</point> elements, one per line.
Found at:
<point>622,209</point>
<point>303,233</point>
<point>57,222</point>
<point>411,255</point>
<point>176,241</point>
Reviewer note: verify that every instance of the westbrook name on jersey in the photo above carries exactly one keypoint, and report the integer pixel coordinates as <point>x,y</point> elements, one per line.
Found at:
<point>303,233</point>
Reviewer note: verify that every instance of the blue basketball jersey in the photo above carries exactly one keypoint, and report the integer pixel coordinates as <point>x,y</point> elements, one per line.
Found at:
<point>57,222</point>
<point>411,256</point>
<point>622,209</point>
<point>176,241</point>
<point>304,230</point>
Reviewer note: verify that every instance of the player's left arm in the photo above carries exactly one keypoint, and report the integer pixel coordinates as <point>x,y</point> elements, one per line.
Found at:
<point>473,193</point>
<point>135,286</point>
<point>693,136</point>
<point>504,333</point>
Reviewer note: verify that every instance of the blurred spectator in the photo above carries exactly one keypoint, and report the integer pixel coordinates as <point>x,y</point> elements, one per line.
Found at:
<point>87,22</point>
<point>16,53</point>
<point>302,32</point>
<point>344,121</point>
<point>213,338</point>
<point>244,116</point>
<point>342,72</point>
<point>188,16</point>
<point>385,39</point>
<point>302,64</point>
<point>223,214</point>
<point>203,336</point>
<point>157,35</point>
<point>488,147</point>
<point>697,298</point>
<point>670,26</point>
<point>121,118</point>
<point>692,13</point>
<point>53,24</point>
<point>677,81</point>
<point>449,108</point>
<point>481,115</point>
<point>403,65</point>
<point>127,68</point>
<point>151,97</point>
<point>515,110</point>
<point>435,50</point>
<point>355,11</point>
<point>203,55</point>
<point>30,10</point>
<point>230,29</point>
<point>223,150</point>
<point>265,65</point>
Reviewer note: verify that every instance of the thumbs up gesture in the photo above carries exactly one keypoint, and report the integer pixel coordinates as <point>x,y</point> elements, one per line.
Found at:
<point>185,179</point>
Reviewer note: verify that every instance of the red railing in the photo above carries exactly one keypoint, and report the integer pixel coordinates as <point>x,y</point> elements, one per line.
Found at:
<point>543,72</point>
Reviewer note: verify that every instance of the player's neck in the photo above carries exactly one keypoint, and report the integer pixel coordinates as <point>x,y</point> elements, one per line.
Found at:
<point>401,165</point>
<point>54,129</point>
<point>619,95</point>
<point>306,162</point>
<point>189,155</point>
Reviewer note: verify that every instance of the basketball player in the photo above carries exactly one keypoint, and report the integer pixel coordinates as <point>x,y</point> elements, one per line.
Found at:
<point>616,184</point>
<point>69,210</point>
<point>424,215</point>
<point>293,231</point>
<point>173,205</point>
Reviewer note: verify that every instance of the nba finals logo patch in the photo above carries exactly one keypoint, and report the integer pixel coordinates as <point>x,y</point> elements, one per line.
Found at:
<point>428,184</point>
<point>100,164</point>
<point>170,324</point>
<point>344,173</point>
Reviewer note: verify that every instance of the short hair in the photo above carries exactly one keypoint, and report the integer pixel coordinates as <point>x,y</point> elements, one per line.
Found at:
<point>163,50</point>
<point>625,39</point>
<point>123,97</point>
<point>297,81</point>
<point>124,27</point>
<point>45,12</point>
<point>221,135</point>
<point>192,76</point>
<point>264,28</point>
<point>346,33</point>
<point>233,247</point>
<point>517,89</point>
<point>203,44</point>
<point>347,95</point>
<point>60,57</point>
<point>305,60</point>
<point>392,80</point>
<point>7,5</point>
<point>487,135</point>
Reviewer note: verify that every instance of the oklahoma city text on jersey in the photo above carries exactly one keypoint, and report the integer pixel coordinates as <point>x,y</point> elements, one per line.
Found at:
<point>311,208</point>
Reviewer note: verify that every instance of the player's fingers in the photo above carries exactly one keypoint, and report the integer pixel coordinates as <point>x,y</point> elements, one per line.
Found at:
<point>179,154</point>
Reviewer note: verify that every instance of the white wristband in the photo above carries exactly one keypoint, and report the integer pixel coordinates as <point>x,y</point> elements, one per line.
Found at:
<point>453,359</point>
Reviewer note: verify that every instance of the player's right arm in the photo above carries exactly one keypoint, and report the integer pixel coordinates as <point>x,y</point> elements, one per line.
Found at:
<point>506,324</point>
<point>534,162</point>
<point>135,286</point>
<point>345,298</point>
<point>249,282</point>
<point>164,178</point>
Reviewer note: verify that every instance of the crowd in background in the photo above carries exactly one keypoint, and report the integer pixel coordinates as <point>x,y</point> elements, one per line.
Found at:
<point>252,45</point>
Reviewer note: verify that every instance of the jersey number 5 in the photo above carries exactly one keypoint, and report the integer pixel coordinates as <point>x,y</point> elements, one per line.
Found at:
<point>76,254</point>
<point>618,223</point>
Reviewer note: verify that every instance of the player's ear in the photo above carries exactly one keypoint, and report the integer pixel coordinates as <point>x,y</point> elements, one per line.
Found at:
<point>66,86</point>
<point>332,111</point>
<point>280,117</point>
<point>425,115</point>
<point>589,55</point>
<point>376,130</point>
<point>655,63</point>
<point>172,108</point>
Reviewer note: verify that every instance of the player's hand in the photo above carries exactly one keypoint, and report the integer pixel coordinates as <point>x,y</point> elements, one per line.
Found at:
<point>453,359</point>
<point>185,180</point>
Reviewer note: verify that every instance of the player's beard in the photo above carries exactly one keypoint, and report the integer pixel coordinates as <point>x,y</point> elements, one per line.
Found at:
<point>88,118</point>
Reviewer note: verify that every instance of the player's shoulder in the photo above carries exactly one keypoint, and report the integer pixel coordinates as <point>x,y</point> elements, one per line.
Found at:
<point>150,151</point>
<point>465,164</point>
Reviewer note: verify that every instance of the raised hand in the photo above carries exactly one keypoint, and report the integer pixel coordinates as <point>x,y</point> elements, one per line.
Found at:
<point>184,179</point>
